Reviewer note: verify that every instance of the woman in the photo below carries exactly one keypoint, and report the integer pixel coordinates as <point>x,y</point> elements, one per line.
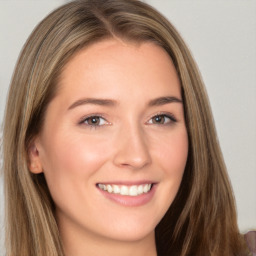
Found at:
<point>109,142</point>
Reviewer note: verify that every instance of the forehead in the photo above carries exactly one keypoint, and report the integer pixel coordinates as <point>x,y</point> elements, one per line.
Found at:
<point>112,65</point>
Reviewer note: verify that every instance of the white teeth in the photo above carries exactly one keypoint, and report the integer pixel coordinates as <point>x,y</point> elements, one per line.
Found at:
<point>100,186</point>
<point>146,188</point>
<point>140,189</point>
<point>116,189</point>
<point>133,191</point>
<point>109,188</point>
<point>126,190</point>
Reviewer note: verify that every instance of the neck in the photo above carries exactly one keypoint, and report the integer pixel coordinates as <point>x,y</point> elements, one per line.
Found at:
<point>86,243</point>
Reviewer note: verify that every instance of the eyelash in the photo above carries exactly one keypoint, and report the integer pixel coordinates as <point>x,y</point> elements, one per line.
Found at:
<point>170,116</point>
<point>85,119</point>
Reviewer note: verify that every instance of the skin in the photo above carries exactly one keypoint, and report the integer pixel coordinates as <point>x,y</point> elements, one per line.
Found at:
<point>131,142</point>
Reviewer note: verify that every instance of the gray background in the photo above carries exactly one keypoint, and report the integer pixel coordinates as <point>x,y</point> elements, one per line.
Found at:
<point>222,37</point>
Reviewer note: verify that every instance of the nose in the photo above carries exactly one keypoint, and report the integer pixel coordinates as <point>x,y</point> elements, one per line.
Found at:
<point>132,150</point>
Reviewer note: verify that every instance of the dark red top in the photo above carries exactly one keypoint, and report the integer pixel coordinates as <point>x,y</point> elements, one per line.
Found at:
<point>250,238</point>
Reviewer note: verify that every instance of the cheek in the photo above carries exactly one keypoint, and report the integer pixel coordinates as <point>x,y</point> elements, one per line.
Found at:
<point>172,153</point>
<point>172,158</point>
<point>68,160</point>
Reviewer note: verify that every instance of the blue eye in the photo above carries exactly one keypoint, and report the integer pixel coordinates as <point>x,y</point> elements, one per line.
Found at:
<point>94,121</point>
<point>162,119</point>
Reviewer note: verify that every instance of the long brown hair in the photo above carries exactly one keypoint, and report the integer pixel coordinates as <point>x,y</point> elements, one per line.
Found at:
<point>201,220</point>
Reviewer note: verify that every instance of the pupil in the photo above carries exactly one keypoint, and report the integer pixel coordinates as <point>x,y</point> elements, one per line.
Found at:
<point>94,120</point>
<point>159,119</point>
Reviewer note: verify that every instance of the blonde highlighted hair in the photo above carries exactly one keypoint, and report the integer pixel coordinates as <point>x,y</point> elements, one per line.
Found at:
<point>202,218</point>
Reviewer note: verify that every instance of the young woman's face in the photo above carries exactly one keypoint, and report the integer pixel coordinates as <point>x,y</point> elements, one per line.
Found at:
<point>114,143</point>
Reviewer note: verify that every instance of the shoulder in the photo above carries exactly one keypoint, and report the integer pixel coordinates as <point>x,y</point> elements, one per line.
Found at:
<point>250,238</point>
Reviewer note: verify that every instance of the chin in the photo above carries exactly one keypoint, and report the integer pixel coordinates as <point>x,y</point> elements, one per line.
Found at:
<point>130,231</point>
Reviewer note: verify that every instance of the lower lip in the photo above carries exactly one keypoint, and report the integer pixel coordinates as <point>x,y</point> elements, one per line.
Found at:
<point>131,200</point>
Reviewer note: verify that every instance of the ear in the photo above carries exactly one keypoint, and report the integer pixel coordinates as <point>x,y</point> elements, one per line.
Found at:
<point>35,165</point>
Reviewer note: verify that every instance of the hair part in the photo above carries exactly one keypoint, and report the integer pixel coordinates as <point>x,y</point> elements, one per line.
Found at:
<point>201,220</point>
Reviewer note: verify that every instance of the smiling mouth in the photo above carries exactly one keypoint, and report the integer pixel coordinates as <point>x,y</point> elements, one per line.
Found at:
<point>124,190</point>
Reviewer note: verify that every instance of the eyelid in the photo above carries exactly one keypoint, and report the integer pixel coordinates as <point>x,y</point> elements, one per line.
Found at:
<point>172,118</point>
<point>82,121</point>
<point>84,118</point>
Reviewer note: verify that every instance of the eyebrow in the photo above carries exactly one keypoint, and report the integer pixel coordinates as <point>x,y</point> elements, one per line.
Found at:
<point>93,101</point>
<point>164,100</point>
<point>112,103</point>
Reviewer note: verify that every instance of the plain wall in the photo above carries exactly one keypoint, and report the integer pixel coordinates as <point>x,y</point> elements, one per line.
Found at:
<point>222,38</point>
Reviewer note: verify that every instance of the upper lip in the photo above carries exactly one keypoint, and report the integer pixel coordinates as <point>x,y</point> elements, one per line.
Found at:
<point>128,183</point>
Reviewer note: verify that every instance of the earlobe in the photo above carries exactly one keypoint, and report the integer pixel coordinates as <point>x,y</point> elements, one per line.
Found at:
<point>34,164</point>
